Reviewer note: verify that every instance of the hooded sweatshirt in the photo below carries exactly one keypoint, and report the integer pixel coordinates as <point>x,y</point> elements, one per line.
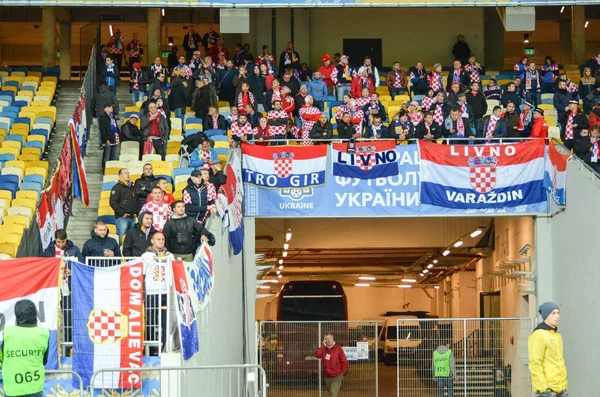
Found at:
<point>546,359</point>
<point>26,316</point>
<point>317,89</point>
<point>137,239</point>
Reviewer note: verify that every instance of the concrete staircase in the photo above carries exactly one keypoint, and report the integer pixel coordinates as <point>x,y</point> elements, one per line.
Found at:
<point>479,373</point>
<point>82,219</point>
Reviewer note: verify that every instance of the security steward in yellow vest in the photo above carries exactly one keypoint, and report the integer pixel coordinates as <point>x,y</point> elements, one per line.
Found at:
<point>444,369</point>
<point>23,353</point>
<point>546,359</point>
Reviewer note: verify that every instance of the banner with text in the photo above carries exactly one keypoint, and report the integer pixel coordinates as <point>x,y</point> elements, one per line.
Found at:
<point>441,180</point>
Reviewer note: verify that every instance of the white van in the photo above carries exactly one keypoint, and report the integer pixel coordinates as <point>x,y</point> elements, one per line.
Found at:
<point>400,335</point>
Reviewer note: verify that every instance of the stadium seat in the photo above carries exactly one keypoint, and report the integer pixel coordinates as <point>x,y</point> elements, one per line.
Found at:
<point>22,211</point>
<point>16,219</point>
<point>37,171</point>
<point>108,186</point>
<point>30,186</point>
<point>151,157</point>
<point>106,211</point>
<point>110,178</point>
<point>13,171</point>
<point>8,249</point>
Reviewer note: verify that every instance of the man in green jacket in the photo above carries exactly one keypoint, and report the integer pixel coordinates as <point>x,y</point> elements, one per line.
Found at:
<point>444,369</point>
<point>23,353</point>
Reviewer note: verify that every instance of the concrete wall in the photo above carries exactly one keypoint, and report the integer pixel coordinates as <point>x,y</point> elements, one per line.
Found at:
<point>575,277</point>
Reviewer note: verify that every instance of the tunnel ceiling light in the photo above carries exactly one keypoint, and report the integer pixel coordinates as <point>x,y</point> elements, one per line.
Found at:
<point>281,261</point>
<point>476,232</point>
<point>280,276</point>
<point>367,278</point>
<point>281,267</point>
<point>562,9</point>
<point>526,38</point>
<point>272,281</point>
<point>162,11</point>
<point>110,30</point>
<point>421,274</point>
<point>435,261</point>
<point>408,280</point>
<point>264,287</point>
<point>170,41</point>
<point>430,266</point>
<point>458,243</point>
<point>286,246</point>
<point>278,271</point>
<point>586,24</point>
<point>362,285</point>
<point>405,286</point>
<point>446,253</point>
<point>284,254</point>
<point>437,287</point>
<point>425,271</point>
<point>288,235</point>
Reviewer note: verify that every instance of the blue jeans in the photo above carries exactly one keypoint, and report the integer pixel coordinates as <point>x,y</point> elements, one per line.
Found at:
<point>534,97</point>
<point>444,383</point>
<point>396,91</point>
<point>180,114</point>
<point>123,225</point>
<point>137,96</point>
<point>341,90</point>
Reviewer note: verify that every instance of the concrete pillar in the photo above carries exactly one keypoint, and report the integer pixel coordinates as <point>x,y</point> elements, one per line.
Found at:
<point>283,31</point>
<point>564,35</point>
<point>65,51</point>
<point>302,37</point>
<point>154,35</point>
<point>48,37</point>
<point>250,285</point>
<point>264,33</point>
<point>578,34</point>
<point>543,263</point>
<point>493,39</point>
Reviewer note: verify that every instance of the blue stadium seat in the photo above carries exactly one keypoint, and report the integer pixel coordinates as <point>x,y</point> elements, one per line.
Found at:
<point>24,120</point>
<point>34,178</point>
<point>191,132</point>
<point>108,219</point>
<point>211,133</point>
<point>52,71</point>
<point>9,94</point>
<point>44,120</point>
<point>37,69</point>
<point>167,177</point>
<point>418,98</point>
<point>6,69</point>
<point>19,104</point>
<point>6,98</point>
<point>108,185</point>
<point>193,120</point>
<point>182,171</point>
<point>6,157</point>
<point>39,131</point>
<point>222,151</point>
<point>24,69</point>
<point>11,109</point>
<point>36,144</point>
<point>35,186</point>
<point>29,88</point>
<point>17,138</point>
<point>219,138</point>
<point>10,186</point>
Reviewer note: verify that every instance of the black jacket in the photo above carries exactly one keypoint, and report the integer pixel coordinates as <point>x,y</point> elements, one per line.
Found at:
<point>71,250</point>
<point>561,101</point>
<point>194,140</point>
<point>435,130</point>
<point>143,187</point>
<point>180,96</point>
<point>512,120</point>
<point>464,78</point>
<point>130,132</point>
<point>408,130</point>
<point>208,123</point>
<point>510,97</point>
<point>96,246</point>
<point>592,99</point>
<point>257,86</point>
<point>204,98</point>
<point>381,112</point>
<point>345,131</point>
<point>123,201</point>
<point>217,179</point>
<point>136,242</point>
<point>143,80</point>
<point>478,103</point>
<point>106,134</point>
<point>182,235</point>
<point>104,97</point>
<point>582,123</point>
<point>445,108</point>
<point>198,204</point>
<point>446,131</point>
<point>319,131</point>
<point>292,65</point>
<point>292,85</point>
<point>383,132</point>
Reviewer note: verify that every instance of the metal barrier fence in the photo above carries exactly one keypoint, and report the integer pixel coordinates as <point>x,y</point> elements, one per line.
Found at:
<point>445,140</point>
<point>247,380</point>
<point>488,356</point>
<point>159,317</point>
<point>63,372</point>
<point>287,353</point>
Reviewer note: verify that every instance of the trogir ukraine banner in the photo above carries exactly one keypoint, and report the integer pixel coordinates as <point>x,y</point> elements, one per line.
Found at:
<point>108,322</point>
<point>484,176</point>
<point>382,179</point>
<point>556,174</point>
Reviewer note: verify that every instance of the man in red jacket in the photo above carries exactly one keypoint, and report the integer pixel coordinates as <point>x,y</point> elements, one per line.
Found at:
<point>539,129</point>
<point>326,69</point>
<point>335,364</point>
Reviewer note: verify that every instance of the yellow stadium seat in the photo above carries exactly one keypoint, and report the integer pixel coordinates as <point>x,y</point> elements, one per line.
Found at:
<point>223,145</point>
<point>27,194</point>
<point>112,171</point>
<point>10,150</point>
<point>34,151</point>
<point>37,138</point>
<point>33,76</point>
<point>6,195</point>
<point>10,88</point>
<point>12,228</point>
<point>37,171</point>
<point>102,211</point>
<point>139,104</point>
<point>112,229</point>
<point>9,238</point>
<point>13,171</point>
<point>105,194</point>
<point>16,164</point>
<point>50,78</point>
<point>178,195</point>
<point>24,202</point>
<point>178,185</point>
<point>132,109</point>
<point>194,126</point>
<point>27,212</point>
<point>8,249</point>
<point>29,157</point>
<point>16,219</point>
<point>134,177</point>
<point>39,163</point>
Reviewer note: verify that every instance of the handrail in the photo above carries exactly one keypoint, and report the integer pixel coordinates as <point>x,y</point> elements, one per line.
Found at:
<point>411,140</point>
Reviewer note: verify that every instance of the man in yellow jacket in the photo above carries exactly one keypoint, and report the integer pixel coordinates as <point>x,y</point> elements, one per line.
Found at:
<point>546,359</point>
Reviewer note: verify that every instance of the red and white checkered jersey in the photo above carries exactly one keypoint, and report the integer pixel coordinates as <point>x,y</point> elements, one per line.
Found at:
<point>277,114</point>
<point>362,101</point>
<point>309,115</point>
<point>161,213</point>
<point>241,130</point>
<point>340,111</point>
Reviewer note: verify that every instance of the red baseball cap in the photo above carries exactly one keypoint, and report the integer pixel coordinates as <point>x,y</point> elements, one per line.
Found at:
<point>326,57</point>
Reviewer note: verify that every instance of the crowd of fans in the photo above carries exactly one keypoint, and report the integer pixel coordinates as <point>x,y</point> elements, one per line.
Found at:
<point>268,100</point>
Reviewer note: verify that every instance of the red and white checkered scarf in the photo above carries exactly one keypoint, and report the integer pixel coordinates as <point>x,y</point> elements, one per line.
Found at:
<point>489,132</point>
<point>435,81</point>
<point>473,73</point>
<point>397,80</point>
<point>427,102</point>
<point>438,115</point>
<point>569,127</point>
<point>415,117</point>
<point>215,122</point>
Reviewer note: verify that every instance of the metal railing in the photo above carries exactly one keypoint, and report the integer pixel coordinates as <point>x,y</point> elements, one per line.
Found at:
<point>248,380</point>
<point>444,140</point>
<point>106,261</point>
<point>488,356</point>
<point>287,353</point>
<point>50,374</point>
